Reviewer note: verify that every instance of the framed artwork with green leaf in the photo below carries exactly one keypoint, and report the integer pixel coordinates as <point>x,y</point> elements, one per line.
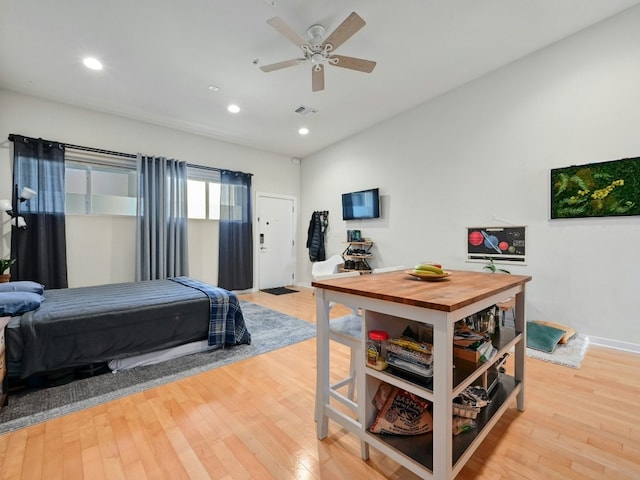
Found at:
<point>603,189</point>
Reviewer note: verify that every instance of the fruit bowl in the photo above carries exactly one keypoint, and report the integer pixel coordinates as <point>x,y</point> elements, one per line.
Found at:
<point>427,275</point>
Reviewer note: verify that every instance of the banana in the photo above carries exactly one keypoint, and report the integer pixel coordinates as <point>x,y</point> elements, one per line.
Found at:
<point>426,268</point>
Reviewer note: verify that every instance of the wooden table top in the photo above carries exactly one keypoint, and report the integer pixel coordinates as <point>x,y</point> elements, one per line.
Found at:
<point>460,289</point>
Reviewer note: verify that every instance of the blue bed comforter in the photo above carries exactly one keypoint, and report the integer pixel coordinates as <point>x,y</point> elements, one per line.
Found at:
<point>226,323</point>
<point>84,325</point>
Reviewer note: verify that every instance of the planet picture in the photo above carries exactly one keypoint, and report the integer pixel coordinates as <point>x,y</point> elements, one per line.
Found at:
<point>508,243</point>
<point>491,242</point>
<point>476,238</point>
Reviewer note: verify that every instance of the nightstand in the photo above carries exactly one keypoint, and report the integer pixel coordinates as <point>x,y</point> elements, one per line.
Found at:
<point>4,380</point>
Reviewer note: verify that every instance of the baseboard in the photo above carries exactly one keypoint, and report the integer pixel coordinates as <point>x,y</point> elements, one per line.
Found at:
<point>242,292</point>
<point>609,343</point>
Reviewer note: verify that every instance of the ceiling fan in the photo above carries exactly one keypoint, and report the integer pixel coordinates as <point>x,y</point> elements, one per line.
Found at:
<point>320,53</point>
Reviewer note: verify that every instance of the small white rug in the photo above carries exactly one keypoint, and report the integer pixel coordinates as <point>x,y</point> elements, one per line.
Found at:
<point>569,354</point>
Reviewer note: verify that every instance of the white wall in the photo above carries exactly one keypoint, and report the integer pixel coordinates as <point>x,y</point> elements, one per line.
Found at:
<point>485,151</point>
<point>101,249</point>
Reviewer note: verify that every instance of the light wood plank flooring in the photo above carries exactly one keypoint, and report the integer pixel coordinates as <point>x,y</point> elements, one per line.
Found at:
<point>254,420</point>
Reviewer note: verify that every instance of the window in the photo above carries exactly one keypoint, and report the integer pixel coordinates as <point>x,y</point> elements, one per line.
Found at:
<point>100,190</point>
<point>203,200</point>
<point>203,193</point>
<point>96,188</point>
<point>214,201</point>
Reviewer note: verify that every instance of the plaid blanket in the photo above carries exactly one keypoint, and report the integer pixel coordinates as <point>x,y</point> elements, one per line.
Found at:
<point>226,322</point>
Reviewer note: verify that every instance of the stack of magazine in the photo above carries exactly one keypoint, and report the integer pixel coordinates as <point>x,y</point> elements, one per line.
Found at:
<point>411,356</point>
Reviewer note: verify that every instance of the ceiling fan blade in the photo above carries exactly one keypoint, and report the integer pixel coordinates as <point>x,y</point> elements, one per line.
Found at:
<point>353,63</point>
<point>317,78</point>
<point>287,31</point>
<point>277,66</point>
<point>345,30</point>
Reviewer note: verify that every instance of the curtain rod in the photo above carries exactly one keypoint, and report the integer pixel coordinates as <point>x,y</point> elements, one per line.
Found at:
<point>99,150</point>
<point>118,154</point>
<point>78,147</point>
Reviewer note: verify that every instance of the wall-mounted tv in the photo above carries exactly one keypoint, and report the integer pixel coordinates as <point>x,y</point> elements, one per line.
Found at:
<point>362,204</point>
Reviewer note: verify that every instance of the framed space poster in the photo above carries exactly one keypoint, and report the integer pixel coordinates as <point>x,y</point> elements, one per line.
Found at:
<point>604,189</point>
<point>507,244</point>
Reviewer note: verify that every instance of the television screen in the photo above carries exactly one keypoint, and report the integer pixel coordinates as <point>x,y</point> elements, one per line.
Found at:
<point>363,204</point>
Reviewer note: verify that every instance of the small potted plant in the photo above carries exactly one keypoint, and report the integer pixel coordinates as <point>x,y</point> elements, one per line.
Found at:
<point>5,263</point>
<point>492,266</point>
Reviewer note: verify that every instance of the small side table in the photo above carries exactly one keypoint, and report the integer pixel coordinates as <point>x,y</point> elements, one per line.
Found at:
<point>4,380</point>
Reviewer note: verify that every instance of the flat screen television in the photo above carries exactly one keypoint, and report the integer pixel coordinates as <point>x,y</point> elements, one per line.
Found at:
<point>362,204</point>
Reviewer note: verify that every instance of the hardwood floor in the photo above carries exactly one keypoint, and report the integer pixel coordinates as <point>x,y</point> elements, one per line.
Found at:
<point>254,420</point>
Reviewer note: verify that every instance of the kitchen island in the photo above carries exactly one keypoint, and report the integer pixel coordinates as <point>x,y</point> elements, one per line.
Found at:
<point>391,302</point>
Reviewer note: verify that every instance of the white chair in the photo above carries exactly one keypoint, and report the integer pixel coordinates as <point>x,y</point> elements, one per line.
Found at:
<point>347,330</point>
<point>326,267</point>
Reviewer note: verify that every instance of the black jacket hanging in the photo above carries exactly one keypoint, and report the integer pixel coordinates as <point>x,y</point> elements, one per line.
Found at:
<point>315,236</point>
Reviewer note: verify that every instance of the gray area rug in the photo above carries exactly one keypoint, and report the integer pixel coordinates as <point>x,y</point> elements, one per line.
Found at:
<point>269,330</point>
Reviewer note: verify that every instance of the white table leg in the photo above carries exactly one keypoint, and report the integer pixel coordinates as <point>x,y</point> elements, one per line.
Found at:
<point>521,349</point>
<point>322,365</point>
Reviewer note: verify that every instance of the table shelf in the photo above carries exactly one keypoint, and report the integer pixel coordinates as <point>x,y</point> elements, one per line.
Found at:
<point>419,448</point>
<point>464,373</point>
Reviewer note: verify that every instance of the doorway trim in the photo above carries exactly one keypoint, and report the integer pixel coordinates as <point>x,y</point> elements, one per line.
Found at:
<point>294,220</point>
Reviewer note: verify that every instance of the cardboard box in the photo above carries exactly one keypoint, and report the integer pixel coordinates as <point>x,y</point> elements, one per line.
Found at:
<point>466,354</point>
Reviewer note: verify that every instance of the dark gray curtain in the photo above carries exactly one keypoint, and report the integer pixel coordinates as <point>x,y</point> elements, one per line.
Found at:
<point>161,228</point>
<point>235,263</point>
<point>40,249</point>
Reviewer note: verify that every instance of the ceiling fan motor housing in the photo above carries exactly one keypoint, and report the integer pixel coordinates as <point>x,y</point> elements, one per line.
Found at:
<point>315,34</point>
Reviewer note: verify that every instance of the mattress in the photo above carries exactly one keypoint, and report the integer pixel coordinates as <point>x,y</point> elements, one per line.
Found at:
<point>161,355</point>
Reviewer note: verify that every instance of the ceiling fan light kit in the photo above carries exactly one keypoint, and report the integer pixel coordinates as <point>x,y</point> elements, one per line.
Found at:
<point>320,53</point>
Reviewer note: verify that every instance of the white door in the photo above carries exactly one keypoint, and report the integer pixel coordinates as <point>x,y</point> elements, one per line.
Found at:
<point>276,235</point>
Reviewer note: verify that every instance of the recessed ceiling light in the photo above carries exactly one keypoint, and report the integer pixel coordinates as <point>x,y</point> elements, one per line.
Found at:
<point>303,131</point>
<point>213,88</point>
<point>233,108</point>
<point>92,63</point>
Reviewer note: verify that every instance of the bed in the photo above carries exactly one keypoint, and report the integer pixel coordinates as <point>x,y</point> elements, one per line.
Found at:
<point>75,327</point>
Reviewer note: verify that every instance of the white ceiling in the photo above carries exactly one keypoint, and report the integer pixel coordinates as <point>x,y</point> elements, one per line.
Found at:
<point>160,56</point>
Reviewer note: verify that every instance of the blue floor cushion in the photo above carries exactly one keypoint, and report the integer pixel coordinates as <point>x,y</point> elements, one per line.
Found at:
<point>543,337</point>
